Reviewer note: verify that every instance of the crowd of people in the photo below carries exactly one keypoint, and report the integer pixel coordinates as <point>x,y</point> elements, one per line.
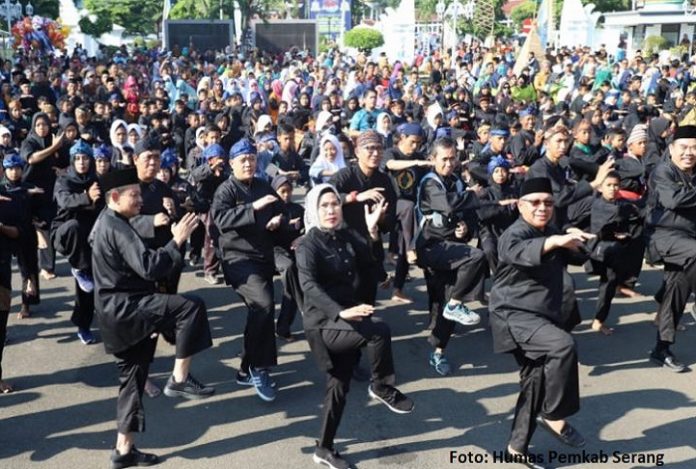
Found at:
<point>325,169</point>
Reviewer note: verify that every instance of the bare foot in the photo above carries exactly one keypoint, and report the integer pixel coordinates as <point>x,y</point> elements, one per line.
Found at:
<point>5,388</point>
<point>387,283</point>
<point>401,297</point>
<point>30,289</point>
<point>23,312</point>
<point>599,327</point>
<point>47,275</point>
<point>628,292</point>
<point>151,389</point>
<point>411,257</point>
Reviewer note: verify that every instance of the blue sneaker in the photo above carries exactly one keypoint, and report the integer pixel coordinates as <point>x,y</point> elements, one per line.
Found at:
<point>262,383</point>
<point>84,280</point>
<point>440,363</point>
<point>86,336</point>
<point>461,314</point>
<point>244,379</point>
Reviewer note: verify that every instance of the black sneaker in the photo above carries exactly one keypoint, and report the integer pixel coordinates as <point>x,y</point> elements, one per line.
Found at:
<point>132,458</point>
<point>392,398</point>
<point>190,389</point>
<point>329,458</point>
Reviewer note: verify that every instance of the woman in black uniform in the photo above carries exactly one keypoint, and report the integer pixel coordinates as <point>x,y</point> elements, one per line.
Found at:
<point>329,259</point>
<point>8,232</point>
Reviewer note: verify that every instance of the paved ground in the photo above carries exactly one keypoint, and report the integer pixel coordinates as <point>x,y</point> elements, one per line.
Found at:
<point>62,415</point>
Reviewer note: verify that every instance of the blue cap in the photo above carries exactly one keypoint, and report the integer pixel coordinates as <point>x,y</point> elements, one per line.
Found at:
<point>443,132</point>
<point>497,162</point>
<point>525,112</point>
<point>213,151</point>
<point>168,159</point>
<point>113,96</point>
<point>242,147</point>
<point>410,128</point>
<point>266,137</point>
<point>102,152</point>
<point>12,160</point>
<point>80,147</point>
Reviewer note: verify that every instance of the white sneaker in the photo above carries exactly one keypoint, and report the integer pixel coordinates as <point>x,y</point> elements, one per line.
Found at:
<point>461,314</point>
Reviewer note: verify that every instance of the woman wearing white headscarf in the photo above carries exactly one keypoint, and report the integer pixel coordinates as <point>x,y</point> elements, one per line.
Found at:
<point>329,160</point>
<point>329,257</point>
<point>263,124</point>
<point>118,134</point>
<point>384,128</point>
<point>135,133</point>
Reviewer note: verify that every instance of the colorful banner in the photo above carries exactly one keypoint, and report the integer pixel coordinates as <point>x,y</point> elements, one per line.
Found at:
<point>333,17</point>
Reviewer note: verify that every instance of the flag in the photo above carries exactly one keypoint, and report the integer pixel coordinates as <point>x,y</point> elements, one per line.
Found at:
<point>166,9</point>
<point>542,28</point>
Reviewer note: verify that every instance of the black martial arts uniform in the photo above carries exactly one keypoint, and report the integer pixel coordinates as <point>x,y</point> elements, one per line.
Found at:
<point>352,180</point>
<point>329,265</point>
<point>155,237</point>
<point>528,318</point>
<point>284,257</point>
<point>130,309</point>
<point>615,260</point>
<point>523,150</point>
<point>70,230</point>
<point>405,183</point>
<point>246,248</point>
<point>291,161</point>
<point>494,218</point>
<point>444,203</point>
<point>671,226</point>
<point>8,217</point>
<point>572,201</point>
<point>205,183</point>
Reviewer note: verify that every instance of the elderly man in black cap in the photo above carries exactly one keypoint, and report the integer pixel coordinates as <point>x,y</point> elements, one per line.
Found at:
<point>671,225</point>
<point>528,320</point>
<point>131,311</point>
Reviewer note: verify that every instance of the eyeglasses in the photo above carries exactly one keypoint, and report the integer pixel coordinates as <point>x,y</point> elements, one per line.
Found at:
<point>547,203</point>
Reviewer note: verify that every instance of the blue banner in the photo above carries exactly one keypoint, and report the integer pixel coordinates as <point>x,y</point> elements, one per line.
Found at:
<point>333,17</point>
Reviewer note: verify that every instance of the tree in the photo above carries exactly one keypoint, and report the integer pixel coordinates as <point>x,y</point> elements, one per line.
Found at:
<point>523,11</point>
<point>364,39</point>
<point>45,8</point>
<point>195,10</point>
<point>102,25</point>
<point>137,16</point>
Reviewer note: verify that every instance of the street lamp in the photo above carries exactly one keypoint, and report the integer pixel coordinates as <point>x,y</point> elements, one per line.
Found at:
<point>10,11</point>
<point>29,9</point>
<point>440,10</point>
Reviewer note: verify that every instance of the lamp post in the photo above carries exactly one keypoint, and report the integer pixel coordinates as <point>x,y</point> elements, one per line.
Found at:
<point>12,11</point>
<point>440,10</point>
<point>29,9</point>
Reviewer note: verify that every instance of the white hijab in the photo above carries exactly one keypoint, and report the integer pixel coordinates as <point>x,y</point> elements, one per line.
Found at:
<point>321,163</point>
<point>311,214</point>
<point>112,131</point>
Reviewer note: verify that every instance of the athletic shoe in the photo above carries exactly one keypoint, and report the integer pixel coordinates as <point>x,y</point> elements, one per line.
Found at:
<point>440,363</point>
<point>84,280</point>
<point>392,398</point>
<point>132,458</point>
<point>329,458</point>
<point>190,389</point>
<point>244,379</point>
<point>461,314</point>
<point>194,261</point>
<point>262,383</point>
<point>86,336</point>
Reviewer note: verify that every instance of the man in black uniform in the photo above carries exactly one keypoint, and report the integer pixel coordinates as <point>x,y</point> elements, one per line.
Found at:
<point>365,184</point>
<point>245,211</point>
<point>131,311</point>
<point>527,318</point>
<point>672,230</point>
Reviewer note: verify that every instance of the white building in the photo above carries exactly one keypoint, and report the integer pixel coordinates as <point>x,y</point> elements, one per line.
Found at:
<point>671,19</point>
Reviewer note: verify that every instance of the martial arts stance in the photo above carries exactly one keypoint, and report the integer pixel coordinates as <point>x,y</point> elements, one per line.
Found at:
<point>131,311</point>
<point>330,258</point>
<point>527,318</point>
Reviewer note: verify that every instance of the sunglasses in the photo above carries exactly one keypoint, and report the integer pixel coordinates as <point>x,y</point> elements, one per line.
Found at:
<point>547,203</point>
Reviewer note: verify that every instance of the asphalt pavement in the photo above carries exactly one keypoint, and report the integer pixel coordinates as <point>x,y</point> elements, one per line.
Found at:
<point>633,414</point>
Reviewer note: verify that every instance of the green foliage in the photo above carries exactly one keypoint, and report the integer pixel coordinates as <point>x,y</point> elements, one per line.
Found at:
<point>45,8</point>
<point>137,16</point>
<point>654,44</point>
<point>364,39</point>
<point>195,10</point>
<point>102,25</point>
<point>523,11</point>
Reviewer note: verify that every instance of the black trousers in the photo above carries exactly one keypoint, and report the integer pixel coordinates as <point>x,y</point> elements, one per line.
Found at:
<point>253,282</point>
<point>5,300</point>
<point>70,239</point>
<point>196,241</point>
<point>678,285</point>
<point>549,384</point>
<point>185,319</point>
<point>344,347</point>
<point>489,246</point>
<point>83,310</point>
<point>405,239</point>
<point>619,267</point>
<point>28,263</point>
<point>292,292</point>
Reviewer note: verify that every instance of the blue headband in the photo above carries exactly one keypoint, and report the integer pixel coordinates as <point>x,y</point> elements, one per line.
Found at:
<point>497,162</point>
<point>82,148</point>
<point>499,132</point>
<point>410,128</point>
<point>102,152</point>
<point>242,147</point>
<point>213,151</point>
<point>168,159</point>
